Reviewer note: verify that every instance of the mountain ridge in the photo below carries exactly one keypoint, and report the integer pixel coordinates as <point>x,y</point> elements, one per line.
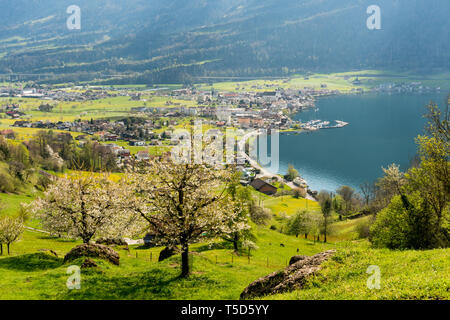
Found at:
<point>173,41</point>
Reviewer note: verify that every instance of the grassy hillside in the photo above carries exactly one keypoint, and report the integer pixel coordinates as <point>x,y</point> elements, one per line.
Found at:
<point>410,274</point>
<point>289,205</point>
<point>172,41</point>
<point>31,273</point>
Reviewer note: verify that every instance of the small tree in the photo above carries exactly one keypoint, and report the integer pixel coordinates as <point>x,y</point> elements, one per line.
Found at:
<point>291,174</point>
<point>260,215</point>
<point>86,206</point>
<point>316,224</point>
<point>299,193</point>
<point>300,223</point>
<point>347,194</point>
<point>249,245</point>
<point>325,201</point>
<point>241,199</point>
<point>368,192</point>
<point>390,184</point>
<point>10,231</point>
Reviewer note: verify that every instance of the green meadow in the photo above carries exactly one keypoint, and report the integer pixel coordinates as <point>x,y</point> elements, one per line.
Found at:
<point>32,272</point>
<point>341,81</point>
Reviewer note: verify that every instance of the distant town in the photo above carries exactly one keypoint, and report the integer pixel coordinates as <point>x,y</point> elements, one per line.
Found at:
<point>262,107</point>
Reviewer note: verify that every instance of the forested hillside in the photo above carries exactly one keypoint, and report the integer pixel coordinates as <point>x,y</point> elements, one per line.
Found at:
<point>173,41</point>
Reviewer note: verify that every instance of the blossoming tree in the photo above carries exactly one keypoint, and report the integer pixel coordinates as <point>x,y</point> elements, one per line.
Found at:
<point>86,206</point>
<point>10,231</point>
<point>184,203</point>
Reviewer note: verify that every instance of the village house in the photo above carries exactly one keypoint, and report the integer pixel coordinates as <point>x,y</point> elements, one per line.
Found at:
<point>263,187</point>
<point>142,155</point>
<point>137,143</point>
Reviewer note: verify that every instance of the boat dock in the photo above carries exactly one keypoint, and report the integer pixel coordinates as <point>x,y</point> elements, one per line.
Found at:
<point>314,125</point>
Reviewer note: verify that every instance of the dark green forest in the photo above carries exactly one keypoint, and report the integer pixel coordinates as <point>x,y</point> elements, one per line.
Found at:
<point>168,41</point>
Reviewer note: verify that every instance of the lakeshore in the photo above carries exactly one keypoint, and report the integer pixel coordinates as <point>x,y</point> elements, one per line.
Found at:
<point>263,171</point>
<point>356,153</point>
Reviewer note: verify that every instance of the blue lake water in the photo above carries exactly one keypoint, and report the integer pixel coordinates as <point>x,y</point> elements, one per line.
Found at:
<point>381,131</point>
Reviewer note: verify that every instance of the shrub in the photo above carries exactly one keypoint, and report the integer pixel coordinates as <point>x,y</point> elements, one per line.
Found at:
<point>391,227</point>
<point>6,183</point>
<point>283,192</point>
<point>43,182</point>
<point>406,223</point>
<point>259,215</point>
<point>363,229</point>
<point>299,193</point>
<point>51,165</point>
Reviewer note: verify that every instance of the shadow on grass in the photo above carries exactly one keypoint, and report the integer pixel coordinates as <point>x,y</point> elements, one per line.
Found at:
<point>31,262</point>
<point>213,246</point>
<point>155,284</point>
<point>144,247</point>
<point>57,239</point>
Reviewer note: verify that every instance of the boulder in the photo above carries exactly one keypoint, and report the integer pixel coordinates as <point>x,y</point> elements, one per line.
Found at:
<point>88,263</point>
<point>93,251</point>
<point>294,259</point>
<point>291,278</point>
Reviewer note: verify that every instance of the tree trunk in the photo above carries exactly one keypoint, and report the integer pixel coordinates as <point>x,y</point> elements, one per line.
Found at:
<point>184,260</point>
<point>8,248</point>
<point>1,249</point>
<point>306,236</point>
<point>236,242</point>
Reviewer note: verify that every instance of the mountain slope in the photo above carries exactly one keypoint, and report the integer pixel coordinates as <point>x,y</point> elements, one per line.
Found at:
<point>167,41</point>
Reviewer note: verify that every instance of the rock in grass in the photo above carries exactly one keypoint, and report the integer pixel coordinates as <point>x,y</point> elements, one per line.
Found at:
<point>291,278</point>
<point>88,263</point>
<point>294,259</point>
<point>93,251</point>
